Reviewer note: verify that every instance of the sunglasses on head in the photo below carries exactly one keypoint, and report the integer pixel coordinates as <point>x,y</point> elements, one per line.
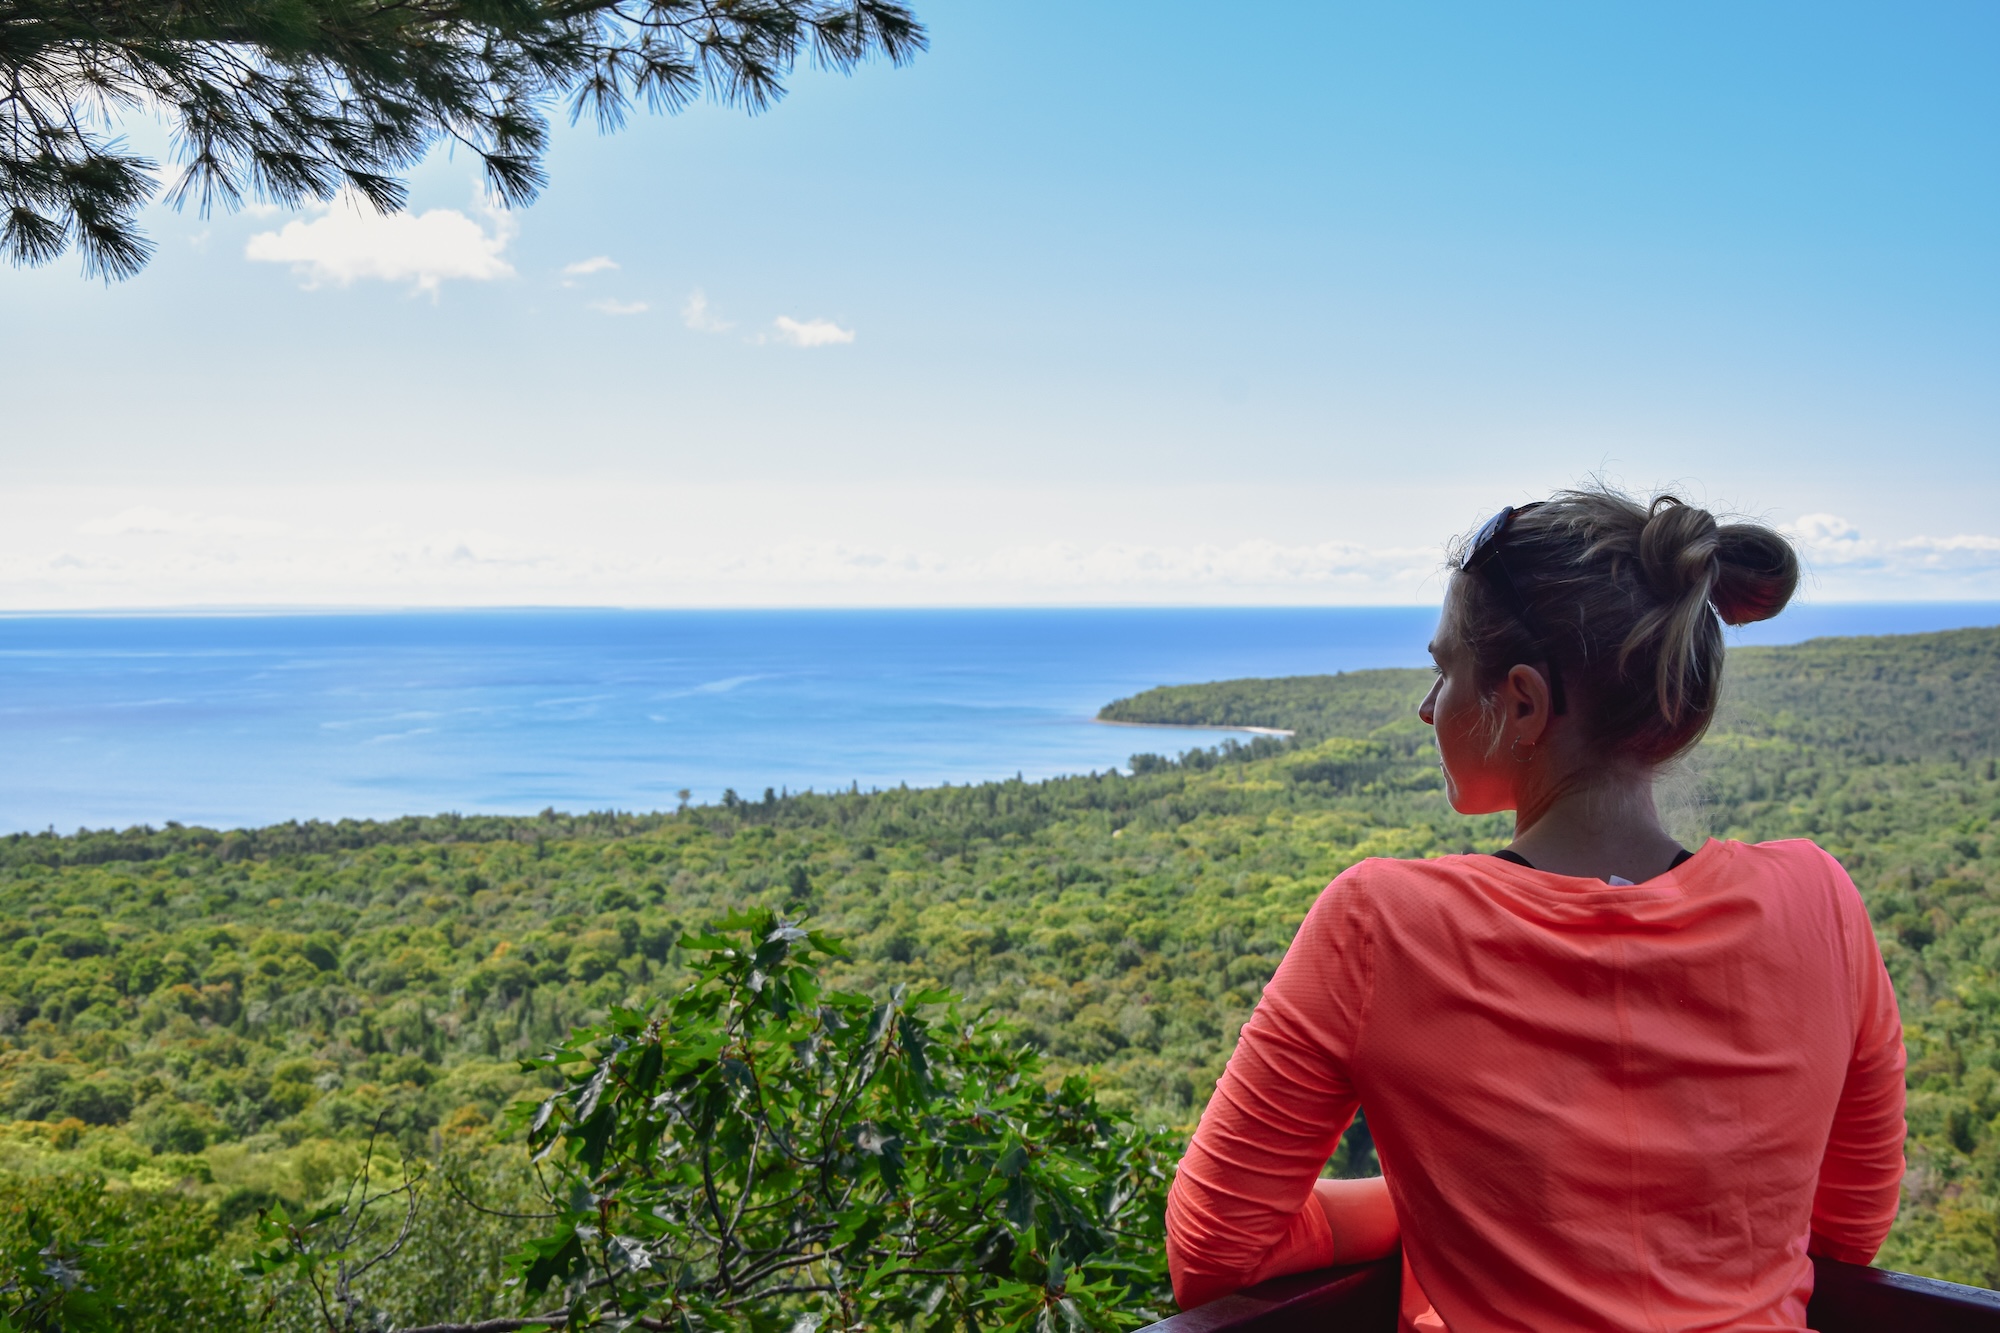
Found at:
<point>1488,560</point>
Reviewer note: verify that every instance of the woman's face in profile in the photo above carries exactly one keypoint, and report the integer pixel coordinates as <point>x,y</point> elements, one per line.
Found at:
<point>1477,780</point>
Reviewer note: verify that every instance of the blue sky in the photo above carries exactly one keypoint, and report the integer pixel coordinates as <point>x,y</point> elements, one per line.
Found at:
<point>1093,303</point>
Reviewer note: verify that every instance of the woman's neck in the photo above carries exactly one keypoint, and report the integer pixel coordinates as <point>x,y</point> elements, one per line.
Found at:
<point>1596,828</point>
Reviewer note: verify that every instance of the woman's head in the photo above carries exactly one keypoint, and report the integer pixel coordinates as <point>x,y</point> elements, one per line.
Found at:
<point>1616,607</point>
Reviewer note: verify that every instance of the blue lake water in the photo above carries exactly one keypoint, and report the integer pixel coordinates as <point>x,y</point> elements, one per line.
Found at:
<point>243,720</point>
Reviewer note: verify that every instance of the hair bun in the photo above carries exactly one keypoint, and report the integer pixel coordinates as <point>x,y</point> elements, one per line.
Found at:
<point>1756,573</point>
<point>1678,549</point>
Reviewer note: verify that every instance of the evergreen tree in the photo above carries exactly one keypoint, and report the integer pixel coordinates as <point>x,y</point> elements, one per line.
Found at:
<point>290,100</point>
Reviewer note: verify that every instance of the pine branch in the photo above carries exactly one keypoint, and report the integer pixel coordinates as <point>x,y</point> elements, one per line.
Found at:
<point>293,101</point>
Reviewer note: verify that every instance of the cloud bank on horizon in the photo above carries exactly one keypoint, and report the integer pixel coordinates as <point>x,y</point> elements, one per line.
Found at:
<point>731,547</point>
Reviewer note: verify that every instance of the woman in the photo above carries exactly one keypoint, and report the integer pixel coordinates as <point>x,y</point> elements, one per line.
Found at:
<point>1613,1084</point>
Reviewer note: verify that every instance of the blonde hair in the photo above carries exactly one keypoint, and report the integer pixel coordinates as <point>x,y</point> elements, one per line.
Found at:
<point>1625,601</point>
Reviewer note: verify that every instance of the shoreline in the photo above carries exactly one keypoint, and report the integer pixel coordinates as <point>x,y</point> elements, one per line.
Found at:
<point>1197,726</point>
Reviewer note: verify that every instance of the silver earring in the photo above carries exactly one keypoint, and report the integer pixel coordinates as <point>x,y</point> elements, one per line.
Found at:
<point>1519,758</point>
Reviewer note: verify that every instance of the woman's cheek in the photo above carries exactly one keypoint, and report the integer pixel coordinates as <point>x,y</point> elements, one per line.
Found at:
<point>1465,762</point>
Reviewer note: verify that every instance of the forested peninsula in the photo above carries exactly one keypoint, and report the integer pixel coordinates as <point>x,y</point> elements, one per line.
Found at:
<point>197,1027</point>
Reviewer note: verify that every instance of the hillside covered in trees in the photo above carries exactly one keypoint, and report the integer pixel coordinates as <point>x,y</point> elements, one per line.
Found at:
<point>195,1024</point>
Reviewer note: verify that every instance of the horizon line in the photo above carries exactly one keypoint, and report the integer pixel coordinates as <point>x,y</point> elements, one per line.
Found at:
<point>249,610</point>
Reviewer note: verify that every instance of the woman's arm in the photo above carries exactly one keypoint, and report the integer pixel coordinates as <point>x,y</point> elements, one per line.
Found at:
<point>1243,1205</point>
<point>1361,1217</point>
<point>1861,1175</point>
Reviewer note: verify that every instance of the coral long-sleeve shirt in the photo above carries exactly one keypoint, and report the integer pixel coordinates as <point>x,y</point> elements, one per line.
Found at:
<point>1596,1107</point>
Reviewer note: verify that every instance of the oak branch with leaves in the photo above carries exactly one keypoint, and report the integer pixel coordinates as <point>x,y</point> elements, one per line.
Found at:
<point>762,1153</point>
<point>295,100</point>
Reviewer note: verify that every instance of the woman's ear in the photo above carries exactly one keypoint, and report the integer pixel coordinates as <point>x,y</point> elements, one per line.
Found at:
<point>1524,696</point>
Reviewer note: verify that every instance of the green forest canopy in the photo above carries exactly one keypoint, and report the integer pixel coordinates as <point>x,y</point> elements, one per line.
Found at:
<point>207,1021</point>
<point>1918,696</point>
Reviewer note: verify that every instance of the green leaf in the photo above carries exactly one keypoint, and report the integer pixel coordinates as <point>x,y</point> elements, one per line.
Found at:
<point>892,1163</point>
<point>586,1097</point>
<point>594,1137</point>
<point>645,1075</point>
<point>858,1241</point>
<point>552,1259</point>
<point>739,1074</point>
<point>827,944</point>
<point>910,1035</point>
<point>1020,1205</point>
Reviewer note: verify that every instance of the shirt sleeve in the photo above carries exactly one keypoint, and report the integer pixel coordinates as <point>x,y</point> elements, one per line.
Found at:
<point>1241,1208</point>
<point>1861,1175</point>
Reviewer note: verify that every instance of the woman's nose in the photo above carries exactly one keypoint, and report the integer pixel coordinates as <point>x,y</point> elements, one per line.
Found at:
<point>1427,710</point>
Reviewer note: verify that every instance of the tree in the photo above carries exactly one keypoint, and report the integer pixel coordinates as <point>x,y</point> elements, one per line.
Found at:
<point>329,1250</point>
<point>77,1256</point>
<point>760,1153</point>
<point>290,100</point>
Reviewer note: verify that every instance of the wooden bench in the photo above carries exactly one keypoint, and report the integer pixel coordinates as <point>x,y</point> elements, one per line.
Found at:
<point>1847,1298</point>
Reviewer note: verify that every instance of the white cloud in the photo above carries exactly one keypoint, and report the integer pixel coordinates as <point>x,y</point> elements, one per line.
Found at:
<point>349,240</point>
<point>1831,542</point>
<point>610,307</point>
<point>811,332</point>
<point>151,521</point>
<point>695,315</point>
<point>584,267</point>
